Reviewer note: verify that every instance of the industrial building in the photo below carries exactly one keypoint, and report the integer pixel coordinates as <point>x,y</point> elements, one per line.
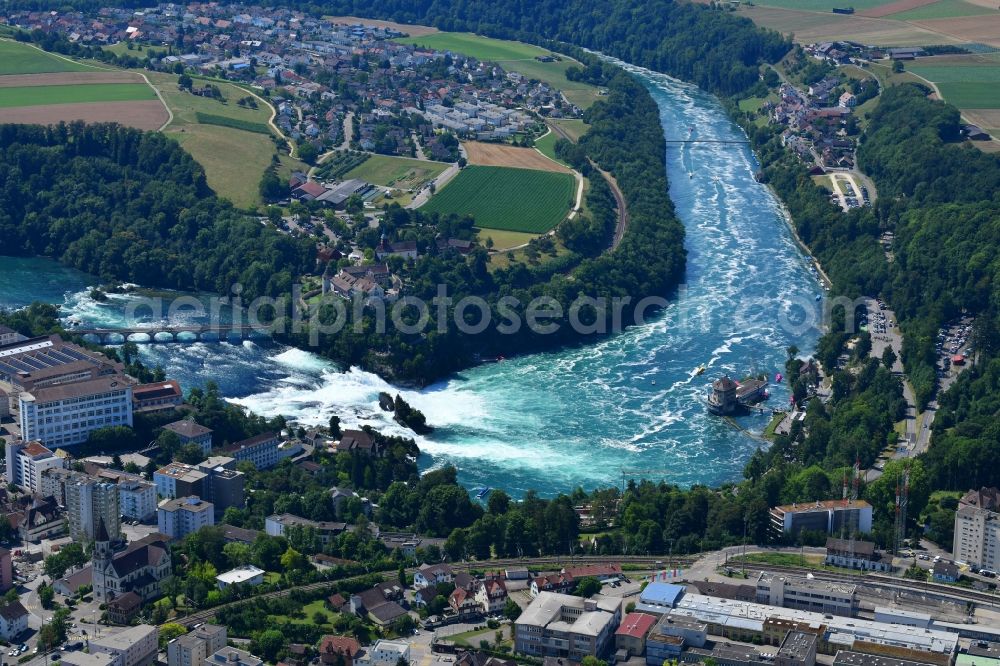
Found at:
<point>805,594</point>
<point>831,517</point>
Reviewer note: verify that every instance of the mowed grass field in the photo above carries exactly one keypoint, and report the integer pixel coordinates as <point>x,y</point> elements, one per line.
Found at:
<point>233,159</point>
<point>17,58</point>
<point>507,198</point>
<point>512,56</point>
<point>400,172</point>
<point>74,94</point>
<point>968,82</point>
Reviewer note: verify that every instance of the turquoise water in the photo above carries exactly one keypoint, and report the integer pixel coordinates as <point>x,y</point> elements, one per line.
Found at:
<point>576,417</point>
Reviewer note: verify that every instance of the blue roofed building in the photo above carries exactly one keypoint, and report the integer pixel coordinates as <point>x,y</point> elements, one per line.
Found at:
<point>659,598</point>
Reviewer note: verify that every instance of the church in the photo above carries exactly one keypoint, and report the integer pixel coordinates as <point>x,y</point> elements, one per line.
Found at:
<point>140,568</point>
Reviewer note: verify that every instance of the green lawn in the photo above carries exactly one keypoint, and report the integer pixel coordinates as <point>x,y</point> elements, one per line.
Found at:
<point>512,56</point>
<point>547,146</point>
<point>942,9</point>
<point>233,159</point>
<point>504,240</point>
<point>400,172</point>
<point>17,58</point>
<point>507,198</point>
<point>573,128</point>
<point>74,94</point>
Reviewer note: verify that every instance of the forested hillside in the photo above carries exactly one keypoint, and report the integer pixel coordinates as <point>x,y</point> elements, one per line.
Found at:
<point>128,205</point>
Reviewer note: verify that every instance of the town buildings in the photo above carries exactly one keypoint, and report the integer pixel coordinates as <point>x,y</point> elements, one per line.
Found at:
<point>13,621</point>
<point>179,480</point>
<point>563,626</point>
<point>6,570</point>
<point>325,531</point>
<point>630,638</point>
<point>830,516</point>
<point>59,392</point>
<point>385,653</point>
<point>136,499</point>
<point>431,574</point>
<point>179,517</point>
<point>140,568</point>
<point>190,432</point>
<point>247,574</point>
<point>158,397</point>
<point>977,529</point>
<point>854,554</point>
<point>27,461</point>
<point>135,646</point>
<point>806,594</point>
<point>194,647</point>
<point>90,502</point>
<point>261,450</point>
<point>230,656</point>
<point>335,650</point>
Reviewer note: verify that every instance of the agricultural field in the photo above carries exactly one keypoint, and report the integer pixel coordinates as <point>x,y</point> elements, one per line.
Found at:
<point>507,198</point>
<point>18,58</point>
<point>39,87</point>
<point>979,29</point>
<point>498,154</point>
<point>512,56</point>
<point>233,158</point>
<point>74,94</point>
<point>821,5</point>
<point>968,82</point>
<point>340,162</point>
<point>399,172</point>
<point>811,26</point>
<point>943,9</point>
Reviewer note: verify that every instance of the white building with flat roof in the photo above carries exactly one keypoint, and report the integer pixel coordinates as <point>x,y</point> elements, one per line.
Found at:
<point>135,646</point>
<point>564,626</point>
<point>25,463</point>
<point>179,517</point>
<point>66,414</point>
<point>385,653</point>
<point>977,537</point>
<point>194,647</point>
<point>137,499</point>
<point>89,500</point>
<point>245,575</point>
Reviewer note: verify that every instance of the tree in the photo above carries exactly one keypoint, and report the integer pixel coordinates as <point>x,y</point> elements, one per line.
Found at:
<point>268,644</point>
<point>46,595</point>
<point>184,82</point>
<point>169,632</point>
<point>404,625</point>
<point>587,586</point>
<point>308,152</point>
<point>888,357</point>
<point>335,426</point>
<point>271,188</point>
<point>590,660</point>
<point>511,610</point>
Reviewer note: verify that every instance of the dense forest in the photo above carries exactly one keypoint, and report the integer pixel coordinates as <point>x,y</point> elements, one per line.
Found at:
<point>129,205</point>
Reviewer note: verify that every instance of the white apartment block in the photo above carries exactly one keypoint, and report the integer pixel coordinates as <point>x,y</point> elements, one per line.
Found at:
<point>560,625</point>
<point>27,461</point>
<point>135,646</point>
<point>977,537</point>
<point>65,414</point>
<point>179,517</point>
<point>193,648</point>
<point>88,501</point>
<point>136,499</point>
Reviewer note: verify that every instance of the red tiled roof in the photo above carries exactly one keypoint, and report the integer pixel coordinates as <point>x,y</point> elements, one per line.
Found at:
<point>636,625</point>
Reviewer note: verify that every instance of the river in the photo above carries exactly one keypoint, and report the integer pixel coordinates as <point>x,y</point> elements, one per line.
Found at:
<point>576,417</point>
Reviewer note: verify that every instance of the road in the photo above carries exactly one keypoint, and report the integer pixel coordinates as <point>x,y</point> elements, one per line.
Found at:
<point>425,192</point>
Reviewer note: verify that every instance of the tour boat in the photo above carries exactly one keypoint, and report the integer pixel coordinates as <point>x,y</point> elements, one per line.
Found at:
<point>697,371</point>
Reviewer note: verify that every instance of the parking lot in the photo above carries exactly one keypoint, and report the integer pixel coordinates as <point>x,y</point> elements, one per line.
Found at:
<point>953,346</point>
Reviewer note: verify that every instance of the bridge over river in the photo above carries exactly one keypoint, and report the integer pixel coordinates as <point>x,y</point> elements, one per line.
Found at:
<point>175,333</point>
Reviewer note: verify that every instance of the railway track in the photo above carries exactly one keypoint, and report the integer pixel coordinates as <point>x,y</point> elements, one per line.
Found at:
<point>881,581</point>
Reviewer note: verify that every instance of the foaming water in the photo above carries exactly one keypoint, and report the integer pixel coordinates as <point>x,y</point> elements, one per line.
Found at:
<point>579,416</point>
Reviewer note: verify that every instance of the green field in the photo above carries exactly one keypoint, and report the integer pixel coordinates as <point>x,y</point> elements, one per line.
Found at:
<point>400,172</point>
<point>547,146</point>
<point>235,123</point>
<point>233,159</point>
<point>507,198</point>
<point>971,95</point>
<point>512,56</point>
<point>74,94</point>
<point>958,73</point>
<point>17,58</point>
<point>822,5</point>
<point>942,9</point>
<point>574,128</point>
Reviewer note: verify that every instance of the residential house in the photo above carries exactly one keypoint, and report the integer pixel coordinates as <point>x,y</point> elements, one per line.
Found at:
<point>338,650</point>
<point>429,574</point>
<point>13,621</point>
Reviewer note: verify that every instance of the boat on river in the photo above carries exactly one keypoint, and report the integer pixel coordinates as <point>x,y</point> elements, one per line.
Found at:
<point>697,371</point>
